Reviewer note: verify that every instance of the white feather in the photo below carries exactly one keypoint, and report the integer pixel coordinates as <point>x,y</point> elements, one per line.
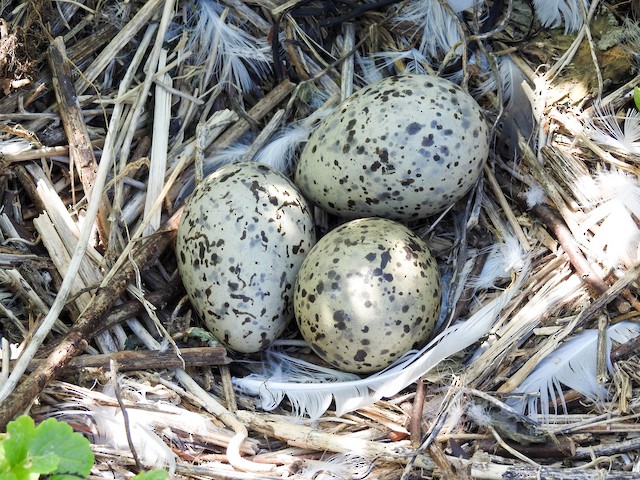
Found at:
<point>551,13</point>
<point>150,448</point>
<point>312,397</point>
<point>605,128</point>
<point>439,30</point>
<point>228,52</point>
<point>340,466</point>
<point>504,257</point>
<point>414,61</point>
<point>511,82</point>
<point>573,365</point>
<point>369,71</point>
<point>280,152</point>
<point>281,368</point>
<point>616,239</point>
<point>534,195</point>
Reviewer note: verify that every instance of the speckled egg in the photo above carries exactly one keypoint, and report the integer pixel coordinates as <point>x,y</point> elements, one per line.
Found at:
<point>368,292</point>
<point>241,240</point>
<point>404,148</point>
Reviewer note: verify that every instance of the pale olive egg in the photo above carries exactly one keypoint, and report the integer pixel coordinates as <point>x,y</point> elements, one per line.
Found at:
<point>405,148</point>
<point>242,238</point>
<point>367,292</point>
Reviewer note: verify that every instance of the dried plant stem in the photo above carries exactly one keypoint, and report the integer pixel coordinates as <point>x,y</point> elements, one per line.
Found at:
<point>310,438</point>
<point>14,400</point>
<point>554,222</point>
<point>347,68</point>
<point>34,154</point>
<point>159,145</point>
<point>123,37</point>
<point>113,370</point>
<point>80,149</point>
<point>415,430</point>
<point>269,129</point>
<point>493,471</point>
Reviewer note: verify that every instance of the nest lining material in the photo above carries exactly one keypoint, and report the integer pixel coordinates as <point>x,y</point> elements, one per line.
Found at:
<point>111,109</point>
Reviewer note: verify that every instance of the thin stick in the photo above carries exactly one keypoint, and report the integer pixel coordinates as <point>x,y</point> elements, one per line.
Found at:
<point>415,427</point>
<point>125,415</point>
<point>133,360</point>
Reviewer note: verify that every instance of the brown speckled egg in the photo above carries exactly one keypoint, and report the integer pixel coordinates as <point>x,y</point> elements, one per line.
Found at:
<point>368,292</point>
<point>404,148</point>
<point>241,240</point>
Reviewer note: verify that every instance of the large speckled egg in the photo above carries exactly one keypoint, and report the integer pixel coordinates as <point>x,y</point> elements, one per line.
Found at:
<point>368,292</point>
<point>404,148</point>
<point>241,240</point>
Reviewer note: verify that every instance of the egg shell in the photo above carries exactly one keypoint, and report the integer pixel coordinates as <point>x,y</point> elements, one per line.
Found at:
<point>368,292</point>
<point>241,240</point>
<point>403,148</point>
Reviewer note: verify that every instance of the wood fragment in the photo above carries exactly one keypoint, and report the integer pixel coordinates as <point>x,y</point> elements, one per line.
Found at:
<point>130,360</point>
<point>80,148</point>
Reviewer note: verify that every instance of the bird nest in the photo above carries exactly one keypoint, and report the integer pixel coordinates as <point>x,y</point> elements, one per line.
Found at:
<point>112,111</point>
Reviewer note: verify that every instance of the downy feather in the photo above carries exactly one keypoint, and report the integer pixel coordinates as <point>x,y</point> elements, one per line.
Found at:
<point>312,397</point>
<point>414,61</point>
<point>605,128</point>
<point>551,13</point>
<point>573,365</point>
<point>369,71</point>
<point>439,30</point>
<point>279,153</point>
<point>230,54</point>
<point>534,195</point>
<point>339,466</point>
<point>504,257</point>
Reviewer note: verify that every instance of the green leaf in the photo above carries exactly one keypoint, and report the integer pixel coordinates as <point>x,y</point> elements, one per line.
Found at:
<point>44,463</point>
<point>20,432</point>
<point>64,476</point>
<point>152,475</point>
<point>73,450</point>
<point>636,97</point>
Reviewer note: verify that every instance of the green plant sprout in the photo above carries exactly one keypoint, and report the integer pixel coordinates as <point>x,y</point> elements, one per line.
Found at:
<point>51,449</point>
<point>636,97</point>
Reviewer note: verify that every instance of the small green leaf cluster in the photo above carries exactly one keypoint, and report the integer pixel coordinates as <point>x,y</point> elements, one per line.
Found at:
<point>52,449</point>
